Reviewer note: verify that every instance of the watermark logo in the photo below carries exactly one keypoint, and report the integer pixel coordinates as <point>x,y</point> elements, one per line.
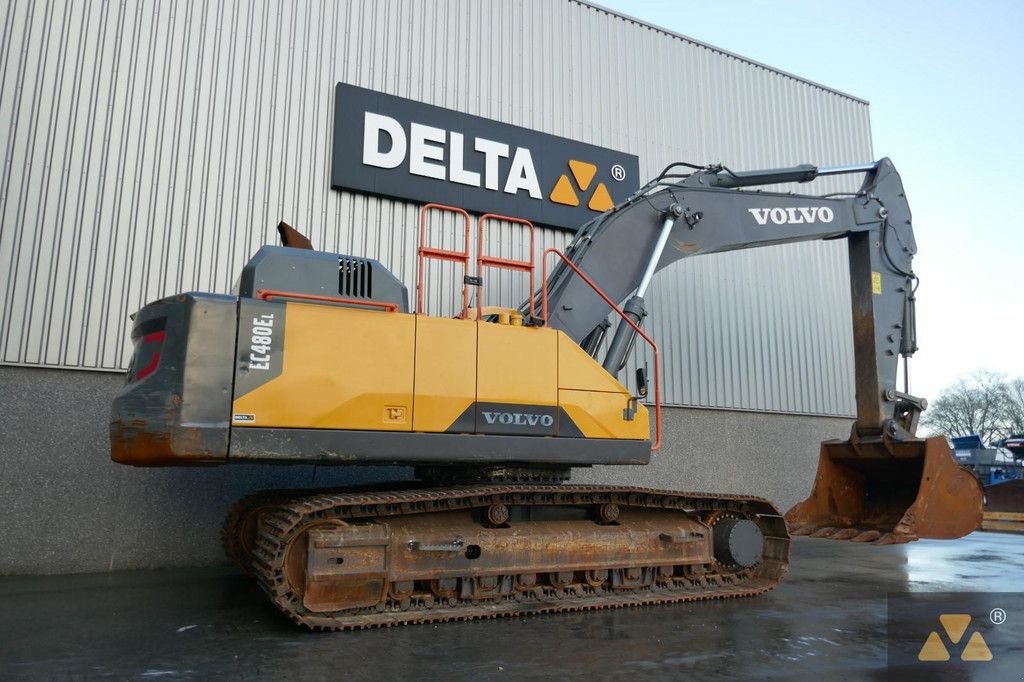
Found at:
<point>954,635</point>
<point>954,625</point>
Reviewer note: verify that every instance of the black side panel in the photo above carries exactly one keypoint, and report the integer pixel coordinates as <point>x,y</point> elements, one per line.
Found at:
<point>516,420</point>
<point>175,405</point>
<point>260,354</point>
<point>326,446</point>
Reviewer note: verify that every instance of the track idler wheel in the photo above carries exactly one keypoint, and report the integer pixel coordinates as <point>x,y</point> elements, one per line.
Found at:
<point>238,534</point>
<point>737,542</point>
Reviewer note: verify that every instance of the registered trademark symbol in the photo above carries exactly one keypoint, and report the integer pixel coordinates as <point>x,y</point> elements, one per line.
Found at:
<point>618,173</point>
<point>997,616</point>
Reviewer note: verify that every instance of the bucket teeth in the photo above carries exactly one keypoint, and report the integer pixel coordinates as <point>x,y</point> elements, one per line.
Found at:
<point>894,539</point>
<point>867,536</point>
<point>846,534</point>
<point>850,534</point>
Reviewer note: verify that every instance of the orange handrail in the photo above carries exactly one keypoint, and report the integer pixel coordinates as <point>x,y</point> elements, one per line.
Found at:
<point>483,260</point>
<point>268,294</point>
<point>424,252</point>
<point>613,306</point>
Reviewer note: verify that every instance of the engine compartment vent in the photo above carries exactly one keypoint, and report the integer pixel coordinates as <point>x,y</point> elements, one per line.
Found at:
<point>355,277</point>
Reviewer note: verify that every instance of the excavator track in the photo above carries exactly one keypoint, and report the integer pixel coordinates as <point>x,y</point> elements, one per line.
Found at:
<point>349,561</point>
<point>239,530</point>
<point>238,533</point>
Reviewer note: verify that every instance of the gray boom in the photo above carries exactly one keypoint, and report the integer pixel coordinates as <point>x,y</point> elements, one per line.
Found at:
<point>679,216</point>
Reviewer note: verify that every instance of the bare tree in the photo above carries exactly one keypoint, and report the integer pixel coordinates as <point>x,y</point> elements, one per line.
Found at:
<point>1013,407</point>
<point>975,405</point>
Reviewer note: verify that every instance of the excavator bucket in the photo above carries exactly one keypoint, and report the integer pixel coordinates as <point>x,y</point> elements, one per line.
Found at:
<point>889,492</point>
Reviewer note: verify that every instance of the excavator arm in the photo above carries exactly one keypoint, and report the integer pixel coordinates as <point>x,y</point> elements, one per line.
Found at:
<point>884,483</point>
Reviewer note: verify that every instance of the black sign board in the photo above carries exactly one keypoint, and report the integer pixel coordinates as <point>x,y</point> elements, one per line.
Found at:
<point>399,148</point>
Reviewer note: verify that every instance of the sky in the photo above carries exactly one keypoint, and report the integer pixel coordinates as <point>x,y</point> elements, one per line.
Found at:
<point>946,85</point>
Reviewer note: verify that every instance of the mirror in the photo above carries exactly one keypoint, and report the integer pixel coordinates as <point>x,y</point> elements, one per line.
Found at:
<point>641,382</point>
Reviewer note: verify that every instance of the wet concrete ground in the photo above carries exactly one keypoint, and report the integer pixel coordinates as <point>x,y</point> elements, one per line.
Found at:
<point>827,620</point>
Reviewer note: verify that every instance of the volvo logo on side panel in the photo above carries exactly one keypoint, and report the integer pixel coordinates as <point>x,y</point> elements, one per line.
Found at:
<point>517,418</point>
<point>794,215</point>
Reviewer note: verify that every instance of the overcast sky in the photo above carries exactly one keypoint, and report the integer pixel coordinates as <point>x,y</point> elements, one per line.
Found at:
<point>946,86</point>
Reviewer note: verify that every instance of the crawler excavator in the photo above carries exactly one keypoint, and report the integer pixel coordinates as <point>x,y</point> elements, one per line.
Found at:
<point>318,358</point>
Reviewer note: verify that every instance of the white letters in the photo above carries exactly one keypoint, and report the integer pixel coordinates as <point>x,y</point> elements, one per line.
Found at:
<point>259,348</point>
<point>522,175</point>
<point>420,151</point>
<point>457,171</point>
<point>427,145</point>
<point>760,215</point>
<point>372,156</point>
<point>492,152</point>
<point>518,419</point>
<point>793,216</point>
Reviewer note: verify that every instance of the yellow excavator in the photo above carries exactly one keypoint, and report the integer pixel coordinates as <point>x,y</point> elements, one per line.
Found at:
<point>318,358</point>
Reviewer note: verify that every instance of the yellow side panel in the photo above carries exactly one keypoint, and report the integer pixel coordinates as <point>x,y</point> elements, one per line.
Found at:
<point>593,398</point>
<point>445,371</point>
<point>579,371</point>
<point>343,369</point>
<point>600,415</point>
<point>517,365</point>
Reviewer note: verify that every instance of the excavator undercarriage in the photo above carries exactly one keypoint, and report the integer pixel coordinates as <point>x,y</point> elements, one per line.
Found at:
<point>346,561</point>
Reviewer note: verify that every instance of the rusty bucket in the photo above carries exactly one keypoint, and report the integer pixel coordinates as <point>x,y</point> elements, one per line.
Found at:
<point>888,492</point>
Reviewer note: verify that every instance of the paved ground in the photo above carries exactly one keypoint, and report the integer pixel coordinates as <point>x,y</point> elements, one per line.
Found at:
<point>826,621</point>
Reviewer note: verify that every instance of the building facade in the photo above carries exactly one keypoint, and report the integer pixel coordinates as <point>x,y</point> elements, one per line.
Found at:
<point>151,147</point>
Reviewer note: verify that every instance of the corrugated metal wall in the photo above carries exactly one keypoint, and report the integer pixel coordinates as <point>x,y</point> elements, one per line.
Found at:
<point>151,147</point>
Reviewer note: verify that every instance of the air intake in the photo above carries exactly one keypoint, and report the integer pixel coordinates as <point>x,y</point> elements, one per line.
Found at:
<point>355,277</point>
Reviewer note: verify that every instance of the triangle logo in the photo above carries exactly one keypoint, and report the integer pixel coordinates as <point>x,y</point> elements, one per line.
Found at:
<point>976,649</point>
<point>583,172</point>
<point>566,192</point>
<point>955,625</point>
<point>602,200</point>
<point>933,649</point>
<point>563,192</point>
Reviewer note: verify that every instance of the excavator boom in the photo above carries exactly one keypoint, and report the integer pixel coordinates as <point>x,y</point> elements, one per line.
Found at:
<point>883,483</point>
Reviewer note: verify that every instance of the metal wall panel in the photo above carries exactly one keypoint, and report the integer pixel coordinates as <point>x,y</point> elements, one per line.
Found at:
<point>151,147</point>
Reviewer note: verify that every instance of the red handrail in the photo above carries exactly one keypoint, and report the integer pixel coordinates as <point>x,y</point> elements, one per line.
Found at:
<point>483,260</point>
<point>613,306</point>
<point>267,294</point>
<point>424,252</point>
